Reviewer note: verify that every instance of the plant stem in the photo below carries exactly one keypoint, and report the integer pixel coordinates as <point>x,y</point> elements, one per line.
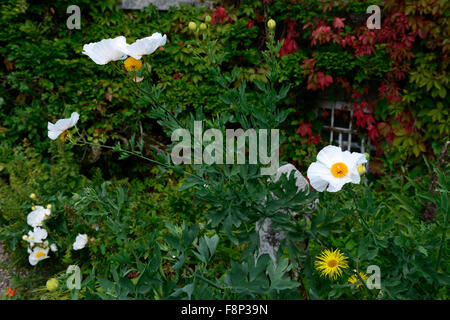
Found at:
<point>133,153</point>
<point>363,282</point>
<point>443,239</point>
<point>154,102</point>
<point>365,224</point>
<point>195,274</point>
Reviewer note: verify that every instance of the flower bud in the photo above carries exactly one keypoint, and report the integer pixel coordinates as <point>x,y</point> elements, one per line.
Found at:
<point>32,196</point>
<point>202,26</point>
<point>271,24</point>
<point>192,26</point>
<point>208,19</point>
<point>52,284</point>
<point>361,169</point>
<point>138,79</point>
<point>24,237</point>
<point>49,206</point>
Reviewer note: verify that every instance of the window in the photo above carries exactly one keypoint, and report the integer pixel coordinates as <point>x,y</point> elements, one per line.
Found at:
<point>338,118</point>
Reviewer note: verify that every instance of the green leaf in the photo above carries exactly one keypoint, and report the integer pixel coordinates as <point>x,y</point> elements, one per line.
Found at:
<point>212,243</point>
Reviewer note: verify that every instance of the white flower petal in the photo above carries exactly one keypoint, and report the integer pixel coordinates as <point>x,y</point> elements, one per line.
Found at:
<point>359,158</point>
<point>318,175</point>
<point>146,45</point>
<point>330,155</point>
<point>63,124</point>
<point>54,134</point>
<point>74,117</point>
<point>54,130</point>
<point>106,50</point>
<point>35,217</point>
<point>336,186</point>
<point>38,234</point>
<point>33,259</point>
<point>51,126</point>
<point>355,178</point>
<point>356,159</point>
<point>80,241</point>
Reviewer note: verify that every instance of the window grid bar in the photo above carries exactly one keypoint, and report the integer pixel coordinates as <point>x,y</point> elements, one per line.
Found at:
<point>349,143</point>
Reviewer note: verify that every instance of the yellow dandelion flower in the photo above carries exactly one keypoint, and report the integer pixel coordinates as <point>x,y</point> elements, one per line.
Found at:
<point>354,279</point>
<point>132,64</point>
<point>330,263</point>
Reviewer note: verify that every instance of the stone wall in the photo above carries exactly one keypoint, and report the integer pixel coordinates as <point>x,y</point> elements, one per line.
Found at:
<point>163,4</point>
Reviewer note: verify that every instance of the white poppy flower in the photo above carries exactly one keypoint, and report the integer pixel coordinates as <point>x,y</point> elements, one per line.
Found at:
<point>106,50</point>
<point>146,45</point>
<point>54,130</point>
<point>53,247</point>
<point>37,255</point>
<point>35,217</point>
<point>334,168</point>
<point>80,241</point>
<point>36,236</point>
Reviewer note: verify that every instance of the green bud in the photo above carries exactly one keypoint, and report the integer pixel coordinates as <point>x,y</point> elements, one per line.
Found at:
<point>361,169</point>
<point>208,19</point>
<point>271,24</point>
<point>192,26</point>
<point>202,26</point>
<point>52,284</point>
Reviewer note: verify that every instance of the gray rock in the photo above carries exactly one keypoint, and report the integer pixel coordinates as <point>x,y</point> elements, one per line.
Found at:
<point>4,274</point>
<point>163,4</point>
<point>270,236</point>
<point>7,270</point>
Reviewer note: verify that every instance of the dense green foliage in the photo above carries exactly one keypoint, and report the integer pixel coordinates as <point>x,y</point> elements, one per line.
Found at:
<point>189,232</point>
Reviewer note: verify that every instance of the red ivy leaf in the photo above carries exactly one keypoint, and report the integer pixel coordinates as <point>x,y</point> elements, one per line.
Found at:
<point>324,80</point>
<point>338,23</point>
<point>304,129</point>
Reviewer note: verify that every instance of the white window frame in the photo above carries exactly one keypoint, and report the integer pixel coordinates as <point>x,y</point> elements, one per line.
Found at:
<point>339,131</point>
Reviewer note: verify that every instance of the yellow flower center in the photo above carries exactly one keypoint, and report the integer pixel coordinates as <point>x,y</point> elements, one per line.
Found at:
<point>63,135</point>
<point>40,254</point>
<point>132,64</point>
<point>339,169</point>
<point>332,263</point>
